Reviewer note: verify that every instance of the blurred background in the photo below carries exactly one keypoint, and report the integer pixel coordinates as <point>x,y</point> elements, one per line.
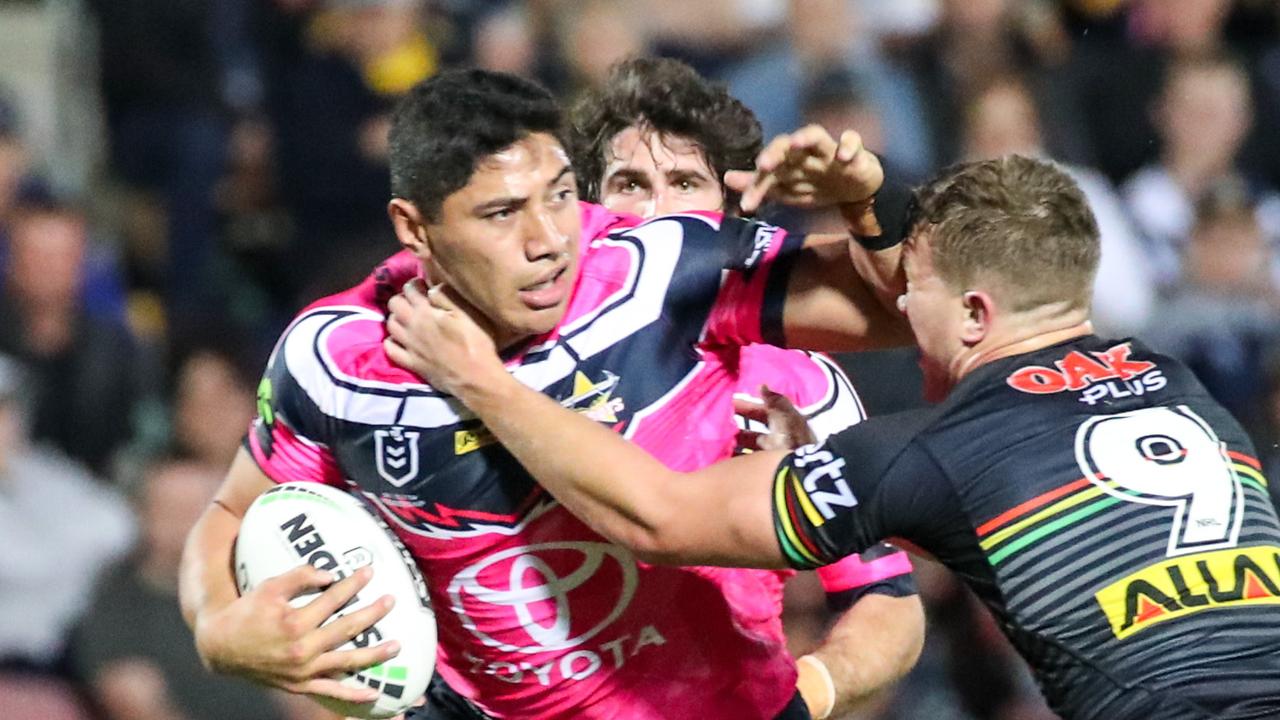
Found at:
<point>178,177</point>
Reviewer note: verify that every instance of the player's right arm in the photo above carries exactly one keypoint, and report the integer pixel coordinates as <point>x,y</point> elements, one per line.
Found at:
<point>260,635</point>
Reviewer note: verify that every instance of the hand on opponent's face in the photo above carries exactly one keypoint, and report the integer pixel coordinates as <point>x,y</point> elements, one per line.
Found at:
<point>440,336</point>
<point>810,169</point>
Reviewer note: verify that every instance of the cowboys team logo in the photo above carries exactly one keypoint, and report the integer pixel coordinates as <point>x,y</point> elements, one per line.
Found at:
<point>595,399</point>
<point>395,452</point>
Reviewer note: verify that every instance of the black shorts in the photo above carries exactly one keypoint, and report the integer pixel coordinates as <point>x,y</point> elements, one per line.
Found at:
<point>445,704</point>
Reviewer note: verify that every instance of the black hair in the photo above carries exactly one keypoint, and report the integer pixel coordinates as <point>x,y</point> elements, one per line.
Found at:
<point>448,123</point>
<point>671,98</point>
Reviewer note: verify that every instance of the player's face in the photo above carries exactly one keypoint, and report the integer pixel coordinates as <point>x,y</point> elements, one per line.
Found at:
<point>649,173</point>
<point>508,240</point>
<point>936,313</point>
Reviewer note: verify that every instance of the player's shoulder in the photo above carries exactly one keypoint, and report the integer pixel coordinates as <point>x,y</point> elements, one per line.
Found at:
<point>878,442</point>
<point>1087,372</point>
<point>338,339</point>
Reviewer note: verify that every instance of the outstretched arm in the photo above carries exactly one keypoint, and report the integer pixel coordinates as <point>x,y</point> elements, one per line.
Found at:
<point>720,515</point>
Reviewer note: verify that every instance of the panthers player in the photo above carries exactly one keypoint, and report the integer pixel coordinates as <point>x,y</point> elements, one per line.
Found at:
<point>539,617</point>
<point>1109,512</point>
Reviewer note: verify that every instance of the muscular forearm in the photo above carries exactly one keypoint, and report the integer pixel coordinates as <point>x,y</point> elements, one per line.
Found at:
<point>872,645</point>
<point>618,488</point>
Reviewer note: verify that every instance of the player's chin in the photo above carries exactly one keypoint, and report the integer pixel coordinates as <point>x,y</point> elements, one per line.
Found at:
<point>541,320</point>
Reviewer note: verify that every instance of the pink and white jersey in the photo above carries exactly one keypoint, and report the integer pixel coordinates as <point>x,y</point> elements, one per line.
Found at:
<point>539,616</point>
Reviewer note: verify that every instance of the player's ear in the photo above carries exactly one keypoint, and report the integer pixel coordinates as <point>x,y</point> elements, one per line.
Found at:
<point>979,309</point>
<point>410,226</point>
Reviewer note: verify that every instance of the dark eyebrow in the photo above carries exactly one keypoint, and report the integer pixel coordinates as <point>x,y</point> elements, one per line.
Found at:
<point>502,203</point>
<point>512,202</point>
<point>626,173</point>
<point>686,173</point>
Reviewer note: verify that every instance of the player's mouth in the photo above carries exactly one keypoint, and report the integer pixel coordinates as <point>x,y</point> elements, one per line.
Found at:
<point>549,291</point>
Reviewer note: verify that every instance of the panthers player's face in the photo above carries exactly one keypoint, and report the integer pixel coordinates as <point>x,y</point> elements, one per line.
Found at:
<point>936,313</point>
<point>508,240</point>
<point>649,173</point>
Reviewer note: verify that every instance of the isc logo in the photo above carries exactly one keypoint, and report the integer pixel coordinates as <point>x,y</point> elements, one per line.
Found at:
<point>822,465</point>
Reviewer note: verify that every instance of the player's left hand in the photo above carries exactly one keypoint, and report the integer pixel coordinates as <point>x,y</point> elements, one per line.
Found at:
<point>808,168</point>
<point>438,335</point>
<point>788,427</point>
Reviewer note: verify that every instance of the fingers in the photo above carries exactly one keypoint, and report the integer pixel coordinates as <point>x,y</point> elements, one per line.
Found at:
<point>443,298</point>
<point>397,353</point>
<point>328,687</point>
<point>849,147</point>
<point>738,180</point>
<point>776,402</point>
<point>298,581</point>
<point>348,626</point>
<point>751,408</point>
<point>748,440</point>
<point>336,596</point>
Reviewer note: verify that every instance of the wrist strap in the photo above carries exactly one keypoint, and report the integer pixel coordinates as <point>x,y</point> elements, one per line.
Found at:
<point>890,205</point>
<point>819,708</point>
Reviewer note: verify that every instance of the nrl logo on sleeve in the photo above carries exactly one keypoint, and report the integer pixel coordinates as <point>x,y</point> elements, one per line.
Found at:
<point>395,452</point>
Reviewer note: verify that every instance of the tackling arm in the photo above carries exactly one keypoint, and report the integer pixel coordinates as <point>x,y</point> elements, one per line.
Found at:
<point>720,515</point>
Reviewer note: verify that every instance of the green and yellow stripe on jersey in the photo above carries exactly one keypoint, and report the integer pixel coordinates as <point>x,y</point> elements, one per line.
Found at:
<point>793,515</point>
<point>1043,516</point>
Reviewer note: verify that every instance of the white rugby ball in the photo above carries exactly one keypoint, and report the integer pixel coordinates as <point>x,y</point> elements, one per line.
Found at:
<point>302,522</point>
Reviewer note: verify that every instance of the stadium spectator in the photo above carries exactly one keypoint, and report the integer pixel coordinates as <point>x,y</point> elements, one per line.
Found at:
<point>335,68</point>
<point>1223,318</point>
<point>212,402</point>
<point>821,36</point>
<point>977,40</point>
<point>85,381</point>
<point>59,527</point>
<point>1203,117</point>
<point>167,71</point>
<point>131,647</point>
<point>1002,119</point>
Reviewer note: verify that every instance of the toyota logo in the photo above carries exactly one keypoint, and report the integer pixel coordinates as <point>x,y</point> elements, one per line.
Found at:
<point>544,598</point>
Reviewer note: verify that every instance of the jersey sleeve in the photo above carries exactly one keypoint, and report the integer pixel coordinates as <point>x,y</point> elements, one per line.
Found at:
<point>864,484</point>
<point>881,569</point>
<point>749,306</point>
<point>287,438</point>
<point>730,271</point>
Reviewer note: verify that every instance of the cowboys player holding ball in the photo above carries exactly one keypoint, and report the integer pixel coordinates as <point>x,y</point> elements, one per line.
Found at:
<point>613,318</point>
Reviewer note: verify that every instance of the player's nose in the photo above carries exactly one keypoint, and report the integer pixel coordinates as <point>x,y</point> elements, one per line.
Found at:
<point>543,235</point>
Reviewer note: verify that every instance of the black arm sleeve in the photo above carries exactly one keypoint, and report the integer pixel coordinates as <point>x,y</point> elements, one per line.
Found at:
<point>869,482</point>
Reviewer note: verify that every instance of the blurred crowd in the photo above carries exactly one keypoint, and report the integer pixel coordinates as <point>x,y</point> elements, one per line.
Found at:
<point>178,177</point>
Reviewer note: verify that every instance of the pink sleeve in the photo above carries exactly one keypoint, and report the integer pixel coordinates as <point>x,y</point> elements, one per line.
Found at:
<point>748,308</point>
<point>285,456</point>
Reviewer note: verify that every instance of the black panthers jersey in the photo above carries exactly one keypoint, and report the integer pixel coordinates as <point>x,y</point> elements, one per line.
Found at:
<point>1102,505</point>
